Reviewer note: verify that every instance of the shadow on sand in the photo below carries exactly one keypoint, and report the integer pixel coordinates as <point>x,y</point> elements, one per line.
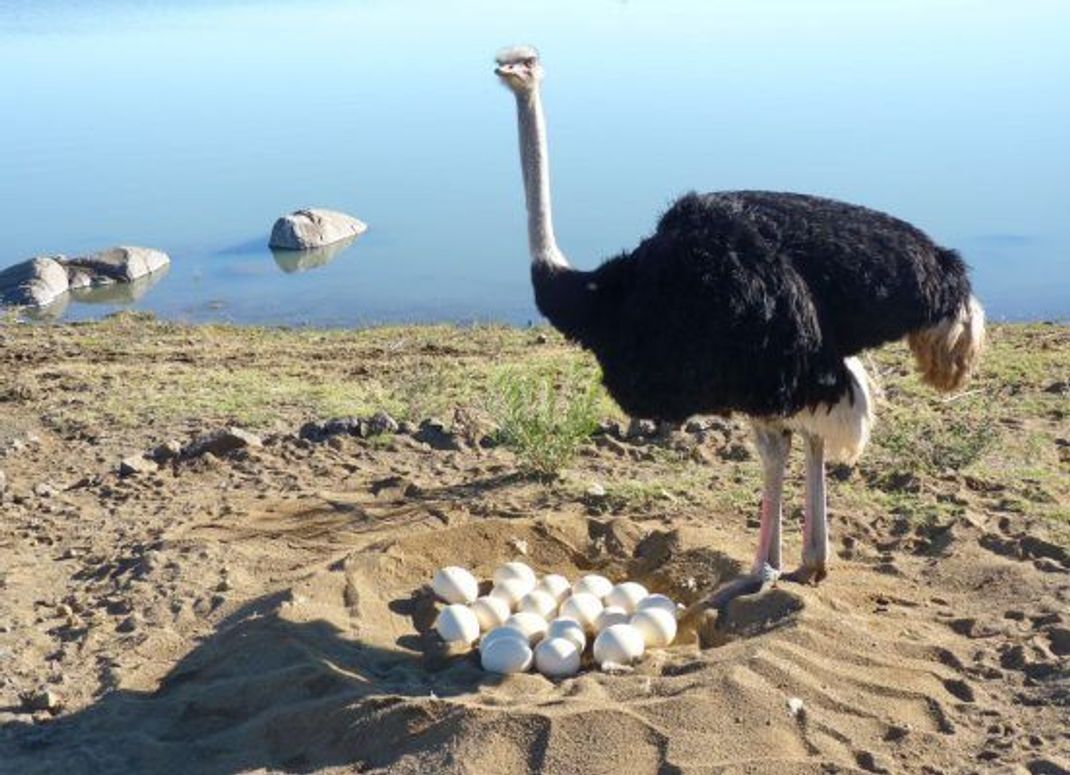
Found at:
<point>261,692</point>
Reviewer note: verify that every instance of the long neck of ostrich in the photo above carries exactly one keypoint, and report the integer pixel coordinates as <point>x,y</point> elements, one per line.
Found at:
<point>535,164</point>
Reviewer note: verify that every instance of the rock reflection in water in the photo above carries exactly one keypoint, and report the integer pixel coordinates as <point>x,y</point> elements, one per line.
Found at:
<point>119,293</point>
<point>293,261</point>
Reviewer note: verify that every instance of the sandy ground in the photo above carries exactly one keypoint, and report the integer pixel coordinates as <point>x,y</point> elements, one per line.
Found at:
<point>267,609</point>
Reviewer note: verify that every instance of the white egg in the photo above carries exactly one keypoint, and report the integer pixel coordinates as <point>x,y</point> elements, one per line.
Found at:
<point>584,608</point>
<point>593,584</point>
<point>455,585</point>
<point>490,611</point>
<point>506,655</point>
<point>610,615</point>
<point>511,590</point>
<point>620,644</point>
<point>557,658</point>
<point>515,570</point>
<point>656,625</point>
<point>532,626</point>
<point>538,602</point>
<point>457,624</point>
<point>556,584</point>
<point>627,596</point>
<point>501,632</point>
<point>570,629</point>
<point>659,601</point>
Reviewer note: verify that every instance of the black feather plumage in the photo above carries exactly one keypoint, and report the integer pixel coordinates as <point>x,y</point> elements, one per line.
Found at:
<point>750,301</point>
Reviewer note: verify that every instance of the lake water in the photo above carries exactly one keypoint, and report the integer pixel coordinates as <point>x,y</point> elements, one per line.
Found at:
<point>191,125</point>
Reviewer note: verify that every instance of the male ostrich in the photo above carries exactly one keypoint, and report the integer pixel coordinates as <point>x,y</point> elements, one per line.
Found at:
<point>754,302</point>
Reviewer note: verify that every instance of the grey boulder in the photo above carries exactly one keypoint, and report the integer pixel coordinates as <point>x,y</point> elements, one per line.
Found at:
<point>124,263</point>
<point>36,282</point>
<point>314,228</point>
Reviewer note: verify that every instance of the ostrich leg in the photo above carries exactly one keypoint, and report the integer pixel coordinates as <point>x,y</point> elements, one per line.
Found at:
<point>773,444</point>
<point>815,525</point>
<point>773,447</point>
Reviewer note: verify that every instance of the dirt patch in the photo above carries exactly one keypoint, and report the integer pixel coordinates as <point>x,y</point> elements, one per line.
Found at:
<point>266,607</point>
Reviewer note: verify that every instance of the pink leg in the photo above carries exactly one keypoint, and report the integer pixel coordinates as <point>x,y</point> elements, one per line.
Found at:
<point>773,447</point>
<point>815,525</point>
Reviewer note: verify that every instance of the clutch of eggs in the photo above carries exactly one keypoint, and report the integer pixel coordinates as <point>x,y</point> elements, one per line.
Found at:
<point>549,623</point>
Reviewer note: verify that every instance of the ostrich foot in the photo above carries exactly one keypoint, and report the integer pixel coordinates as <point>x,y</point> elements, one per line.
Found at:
<point>807,573</point>
<point>748,584</point>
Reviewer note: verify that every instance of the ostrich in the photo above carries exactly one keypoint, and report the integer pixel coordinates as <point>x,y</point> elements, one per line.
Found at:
<point>752,302</point>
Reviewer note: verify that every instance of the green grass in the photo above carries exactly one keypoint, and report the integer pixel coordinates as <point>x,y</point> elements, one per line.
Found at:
<point>544,417</point>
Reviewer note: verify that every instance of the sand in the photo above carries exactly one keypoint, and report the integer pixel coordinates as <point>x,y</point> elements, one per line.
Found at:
<point>269,612</point>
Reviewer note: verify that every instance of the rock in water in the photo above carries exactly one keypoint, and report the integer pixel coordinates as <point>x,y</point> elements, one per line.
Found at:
<point>34,283</point>
<point>313,228</point>
<point>123,263</point>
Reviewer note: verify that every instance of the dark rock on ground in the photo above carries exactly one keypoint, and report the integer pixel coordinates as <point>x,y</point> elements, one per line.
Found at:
<point>168,450</point>
<point>436,435</point>
<point>221,442</point>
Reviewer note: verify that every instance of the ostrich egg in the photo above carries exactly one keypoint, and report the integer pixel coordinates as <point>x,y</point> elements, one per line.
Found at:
<point>506,655</point>
<point>515,570</point>
<point>592,583</point>
<point>584,608</point>
<point>556,584</point>
<point>620,644</point>
<point>610,615</point>
<point>455,585</point>
<point>538,602</point>
<point>531,626</point>
<point>627,596</point>
<point>557,658</point>
<point>490,611</point>
<point>511,590</point>
<point>570,629</point>
<point>657,600</point>
<point>457,624</point>
<point>656,625</point>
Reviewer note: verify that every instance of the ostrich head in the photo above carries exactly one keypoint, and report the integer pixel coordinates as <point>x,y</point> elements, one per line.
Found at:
<point>519,68</point>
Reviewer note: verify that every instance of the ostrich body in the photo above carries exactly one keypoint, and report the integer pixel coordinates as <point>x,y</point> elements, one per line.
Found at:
<point>752,302</point>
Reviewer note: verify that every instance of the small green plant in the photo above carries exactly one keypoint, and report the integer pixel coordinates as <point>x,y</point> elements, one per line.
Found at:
<point>545,417</point>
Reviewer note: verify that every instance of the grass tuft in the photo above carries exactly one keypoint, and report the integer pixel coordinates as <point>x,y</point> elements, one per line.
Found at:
<point>545,417</point>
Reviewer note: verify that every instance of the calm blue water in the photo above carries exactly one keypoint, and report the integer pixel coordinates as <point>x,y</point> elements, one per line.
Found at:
<point>189,126</point>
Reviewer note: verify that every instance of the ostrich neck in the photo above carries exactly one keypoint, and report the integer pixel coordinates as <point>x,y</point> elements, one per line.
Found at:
<point>535,164</point>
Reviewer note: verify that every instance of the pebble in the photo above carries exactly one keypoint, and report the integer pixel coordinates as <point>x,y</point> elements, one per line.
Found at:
<point>43,699</point>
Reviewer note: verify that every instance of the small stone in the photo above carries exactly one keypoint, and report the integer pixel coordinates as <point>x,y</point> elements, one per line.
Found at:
<point>44,490</point>
<point>3,482</point>
<point>380,423</point>
<point>796,707</point>
<point>136,464</point>
<point>129,624</point>
<point>736,452</point>
<point>350,426</point>
<point>42,700</point>
<point>596,490</point>
<point>168,450</point>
